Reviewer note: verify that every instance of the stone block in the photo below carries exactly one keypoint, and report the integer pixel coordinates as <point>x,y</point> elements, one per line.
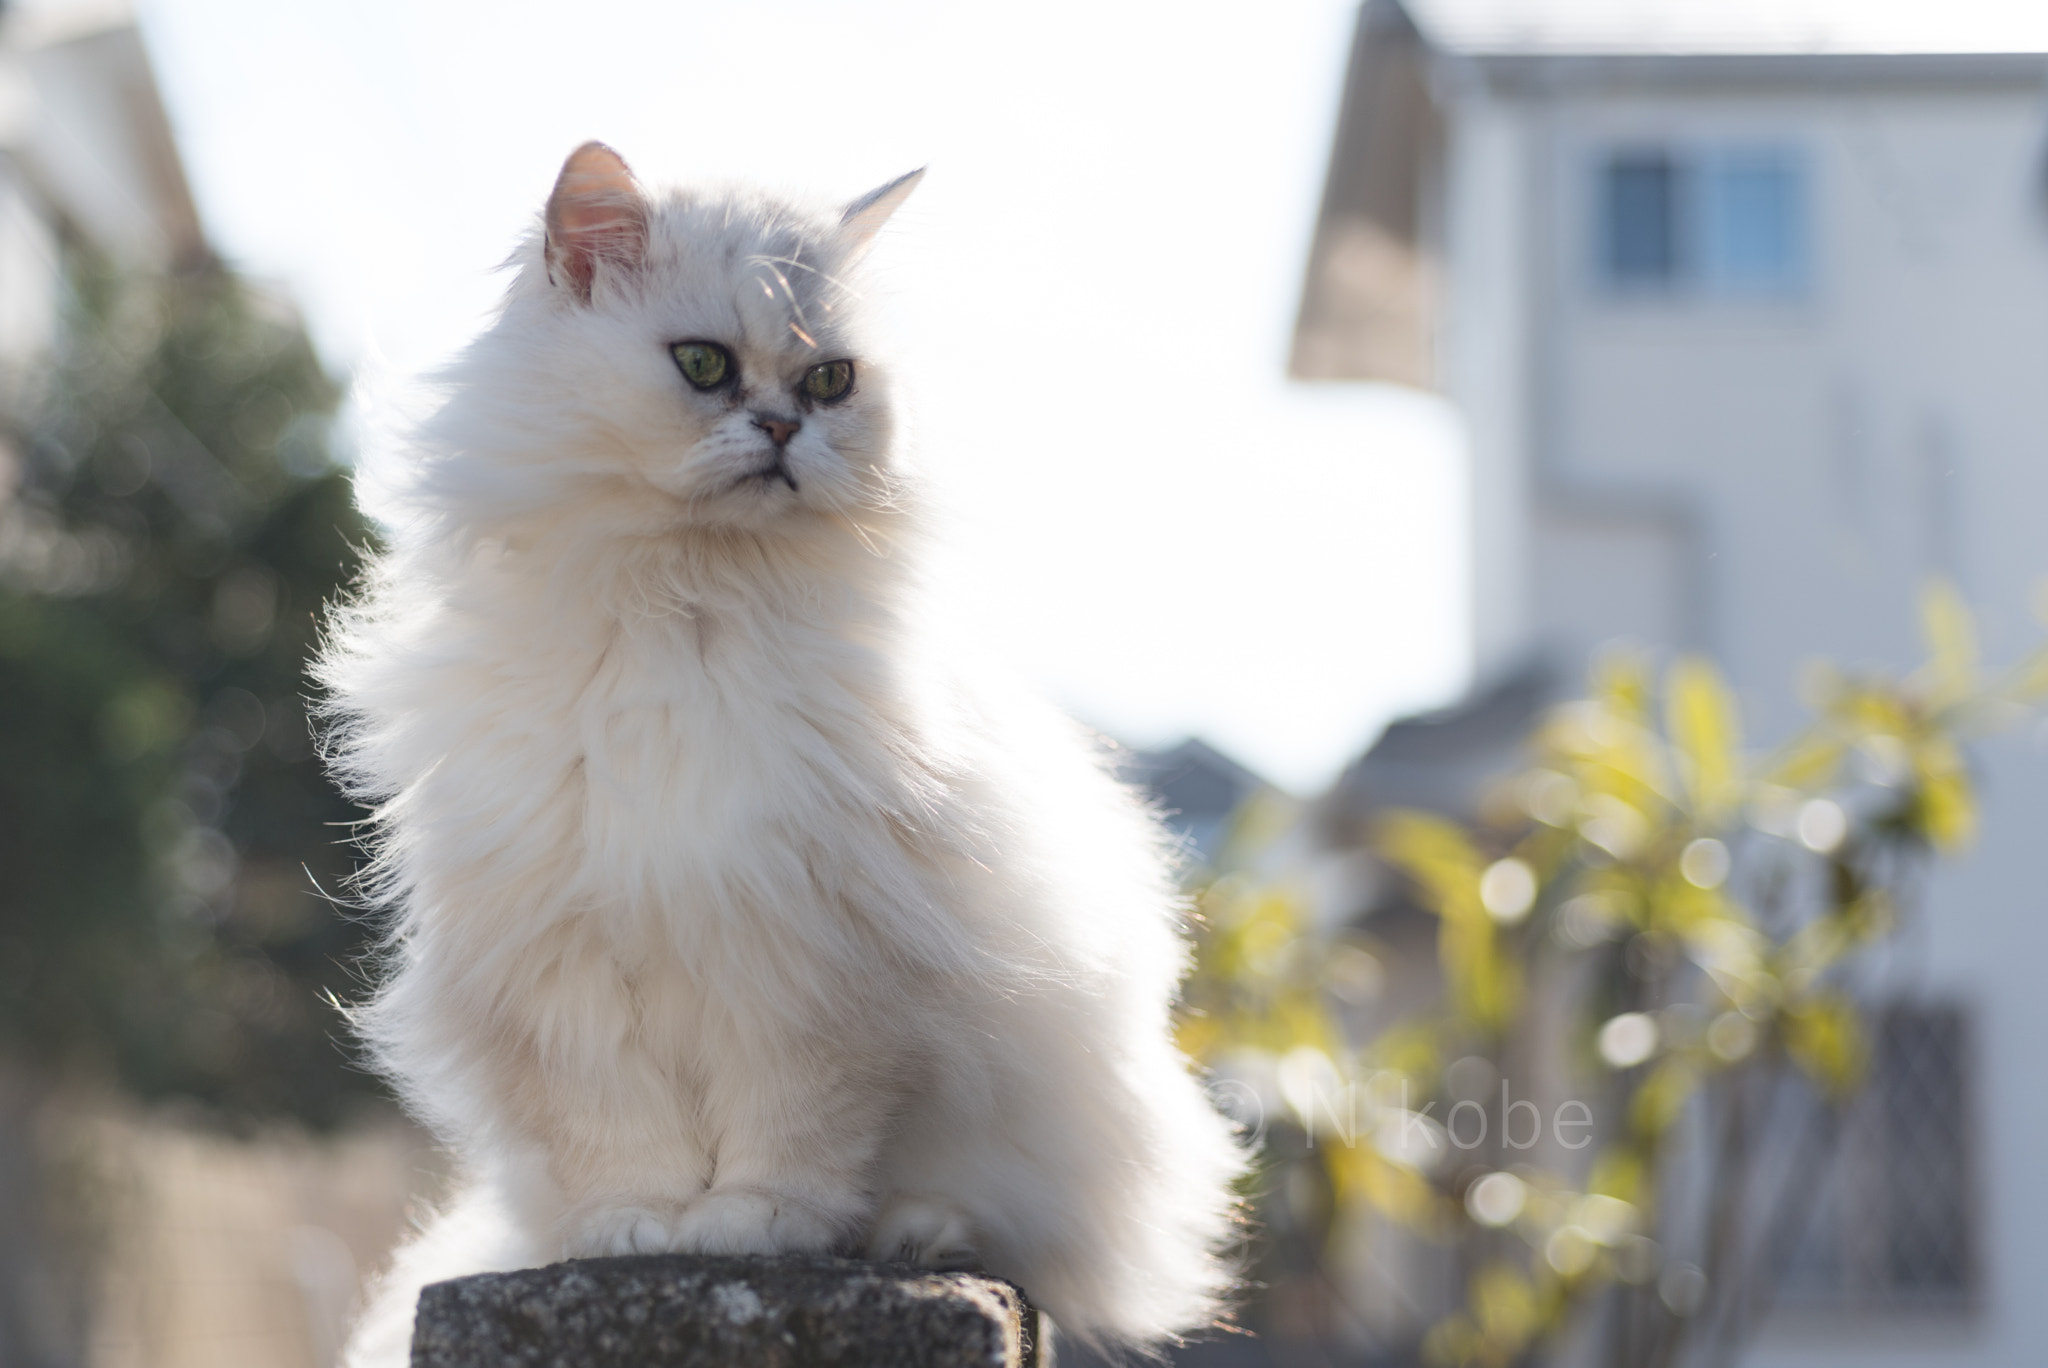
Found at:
<point>678,1311</point>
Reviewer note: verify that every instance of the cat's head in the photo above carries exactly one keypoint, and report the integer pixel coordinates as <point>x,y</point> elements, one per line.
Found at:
<point>702,352</point>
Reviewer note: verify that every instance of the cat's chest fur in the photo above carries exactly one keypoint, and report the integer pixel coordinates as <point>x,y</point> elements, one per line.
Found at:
<point>695,736</point>
<point>664,767</point>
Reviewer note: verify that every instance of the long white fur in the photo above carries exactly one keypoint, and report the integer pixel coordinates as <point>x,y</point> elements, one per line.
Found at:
<point>728,915</point>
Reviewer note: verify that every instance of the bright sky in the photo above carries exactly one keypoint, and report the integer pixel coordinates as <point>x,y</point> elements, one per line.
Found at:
<point>1094,284</point>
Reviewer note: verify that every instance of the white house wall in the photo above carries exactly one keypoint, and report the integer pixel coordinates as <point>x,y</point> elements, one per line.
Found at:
<point>1483,365</point>
<point>1774,481</point>
<point>1835,449</point>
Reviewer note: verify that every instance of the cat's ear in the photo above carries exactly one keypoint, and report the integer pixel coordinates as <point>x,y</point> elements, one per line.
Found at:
<point>865,216</point>
<point>596,214</point>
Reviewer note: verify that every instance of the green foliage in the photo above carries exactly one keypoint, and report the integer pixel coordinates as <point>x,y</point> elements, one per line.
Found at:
<point>175,525</point>
<point>1654,918</point>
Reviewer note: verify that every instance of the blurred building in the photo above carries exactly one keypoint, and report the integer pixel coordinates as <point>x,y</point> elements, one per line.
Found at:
<point>86,159</point>
<point>128,1238</point>
<point>1196,788</point>
<point>1746,309</point>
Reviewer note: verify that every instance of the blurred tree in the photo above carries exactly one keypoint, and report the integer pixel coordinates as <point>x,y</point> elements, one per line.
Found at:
<point>1654,938</point>
<point>175,522</point>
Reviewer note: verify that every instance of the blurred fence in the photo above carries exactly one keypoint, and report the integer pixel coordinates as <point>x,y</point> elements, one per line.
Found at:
<point>223,1252</point>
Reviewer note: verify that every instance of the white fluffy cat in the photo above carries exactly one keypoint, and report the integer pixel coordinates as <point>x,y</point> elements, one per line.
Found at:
<point>728,918</point>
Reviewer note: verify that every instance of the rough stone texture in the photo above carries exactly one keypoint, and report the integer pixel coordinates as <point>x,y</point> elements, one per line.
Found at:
<point>673,1311</point>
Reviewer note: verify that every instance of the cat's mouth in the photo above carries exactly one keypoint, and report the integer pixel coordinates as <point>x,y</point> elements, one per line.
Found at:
<point>776,470</point>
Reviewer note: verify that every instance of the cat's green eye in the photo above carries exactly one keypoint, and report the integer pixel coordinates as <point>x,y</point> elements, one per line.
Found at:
<point>829,381</point>
<point>706,365</point>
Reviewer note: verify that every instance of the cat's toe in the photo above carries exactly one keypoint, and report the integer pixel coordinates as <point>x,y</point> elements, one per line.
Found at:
<point>648,1235</point>
<point>619,1230</point>
<point>929,1231</point>
<point>753,1221</point>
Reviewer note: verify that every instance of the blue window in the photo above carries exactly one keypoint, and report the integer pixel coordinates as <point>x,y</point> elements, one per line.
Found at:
<point>1753,212</point>
<point>1640,222</point>
<point>1728,221</point>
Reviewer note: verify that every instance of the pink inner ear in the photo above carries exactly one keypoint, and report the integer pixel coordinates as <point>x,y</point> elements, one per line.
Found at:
<point>595,212</point>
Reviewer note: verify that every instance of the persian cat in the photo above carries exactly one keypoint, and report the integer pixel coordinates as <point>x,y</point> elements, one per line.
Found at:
<point>727,917</point>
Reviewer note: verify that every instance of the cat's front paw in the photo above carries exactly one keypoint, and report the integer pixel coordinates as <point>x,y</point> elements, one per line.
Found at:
<point>931,1232</point>
<point>753,1221</point>
<point>619,1230</point>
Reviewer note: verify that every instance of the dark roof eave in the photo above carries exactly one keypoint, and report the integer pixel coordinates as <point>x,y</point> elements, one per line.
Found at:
<point>1812,73</point>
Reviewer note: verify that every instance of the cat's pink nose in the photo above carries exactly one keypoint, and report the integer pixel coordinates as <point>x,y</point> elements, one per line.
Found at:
<point>779,430</point>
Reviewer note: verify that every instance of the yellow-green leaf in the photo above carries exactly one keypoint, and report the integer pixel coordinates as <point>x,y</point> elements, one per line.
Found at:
<point>2029,679</point>
<point>1618,1173</point>
<point>1951,641</point>
<point>1824,1036</point>
<point>1439,856</point>
<point>1504,1305</point>
<point>1662,1098</point>
<point>1707,732</point>
<point>1621,683</point>
<point>1946,810</point>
